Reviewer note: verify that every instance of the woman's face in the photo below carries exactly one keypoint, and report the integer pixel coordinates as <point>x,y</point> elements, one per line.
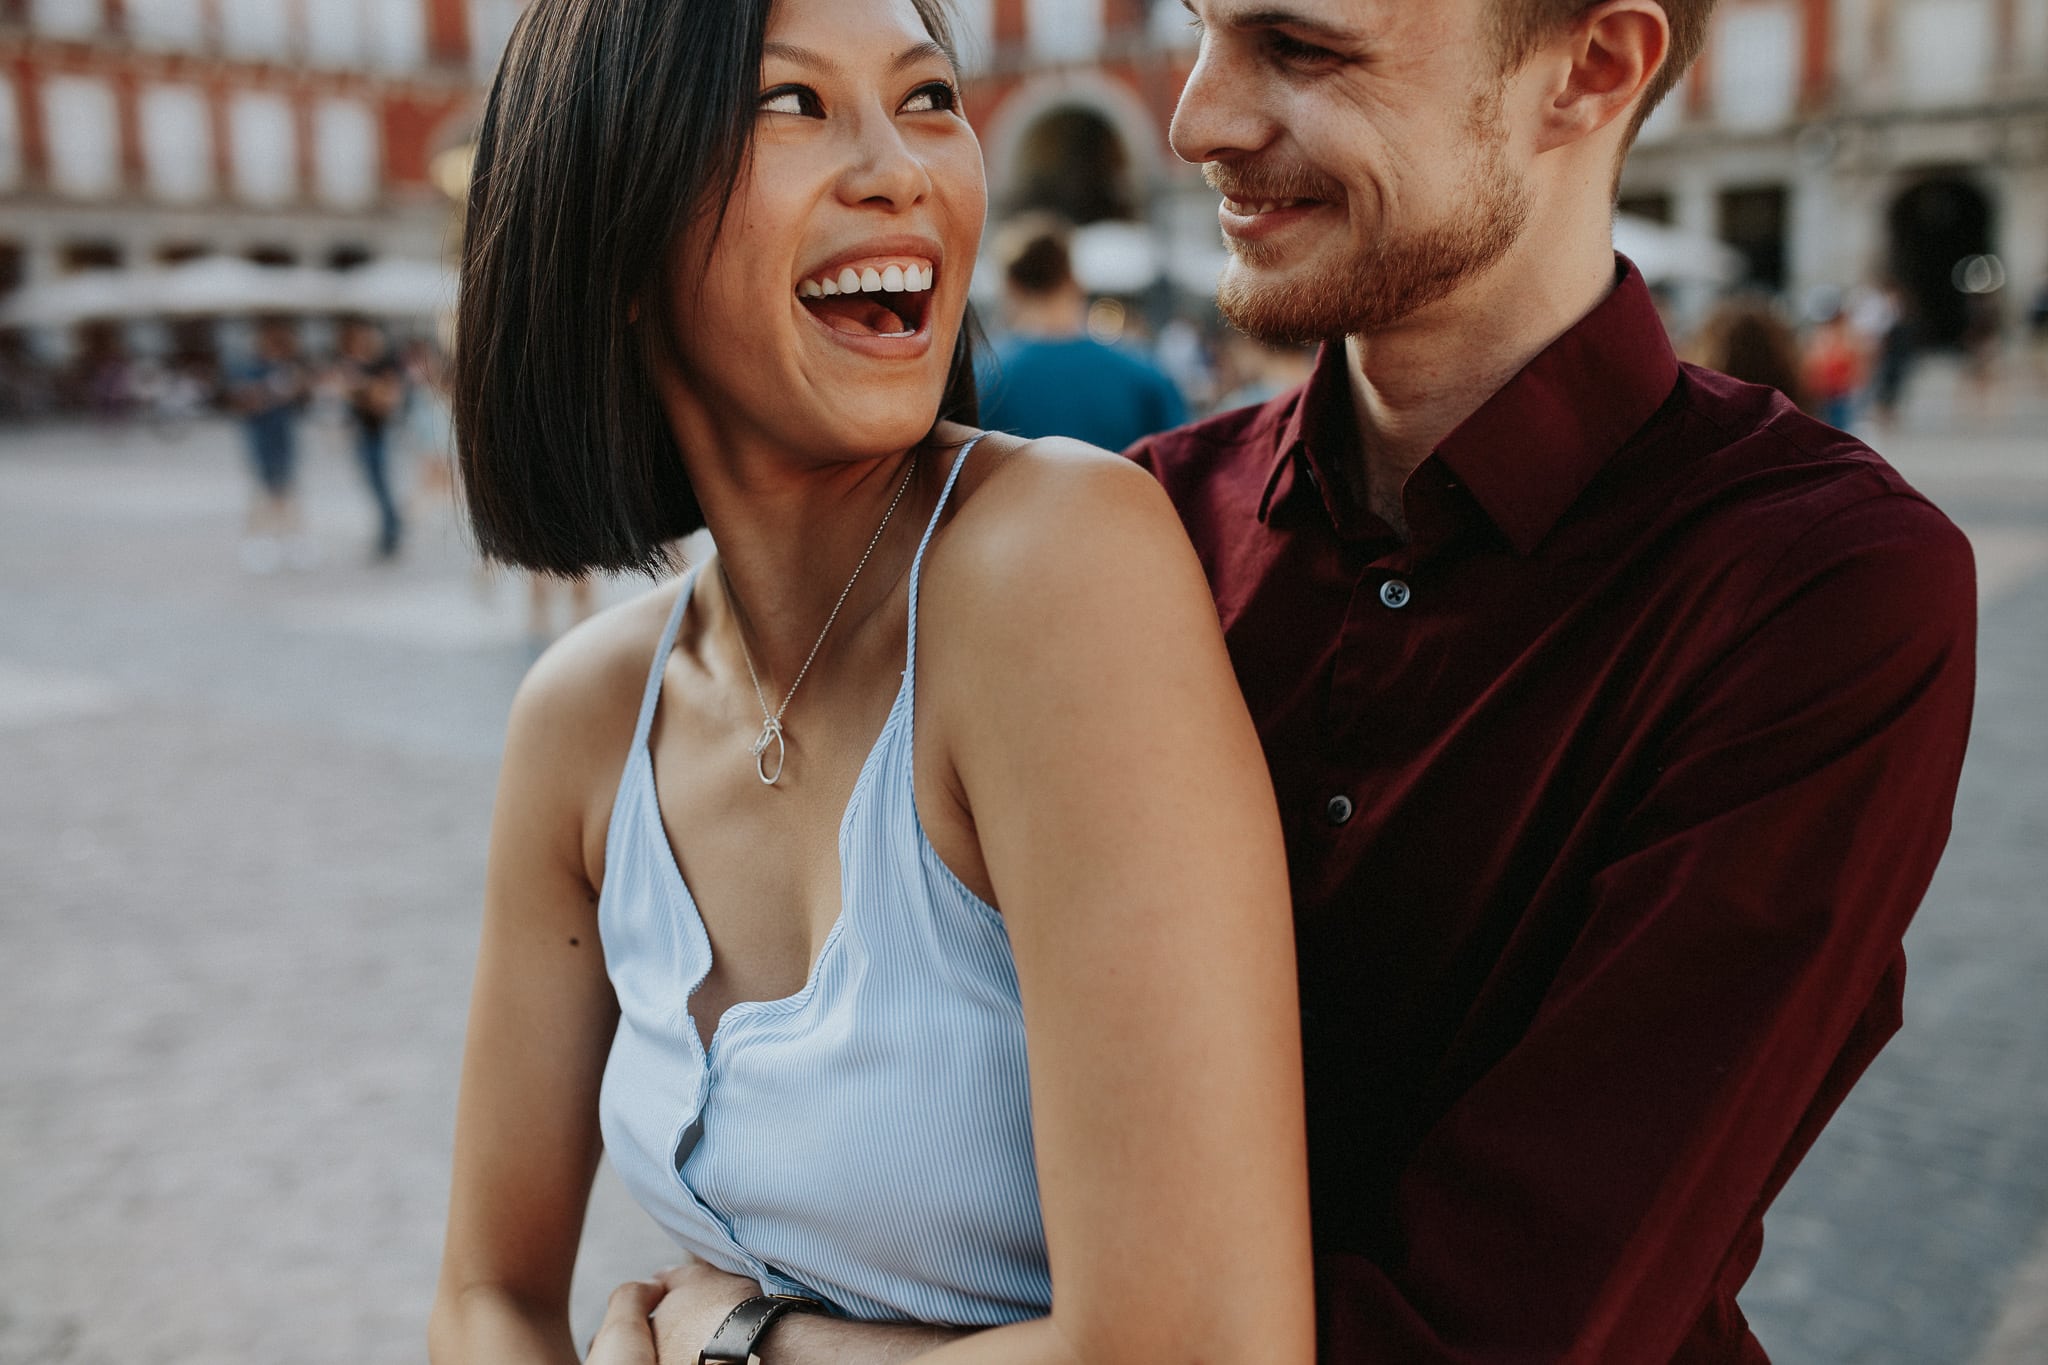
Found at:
<point>824,317</point>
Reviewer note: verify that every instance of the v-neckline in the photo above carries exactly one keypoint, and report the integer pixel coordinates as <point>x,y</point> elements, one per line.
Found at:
<point>680,885</point>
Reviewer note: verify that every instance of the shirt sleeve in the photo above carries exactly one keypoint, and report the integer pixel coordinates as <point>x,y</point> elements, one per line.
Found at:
<point>1739,965</point>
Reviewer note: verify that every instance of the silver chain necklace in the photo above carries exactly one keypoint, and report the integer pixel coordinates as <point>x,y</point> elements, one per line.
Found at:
<point>771,723</point>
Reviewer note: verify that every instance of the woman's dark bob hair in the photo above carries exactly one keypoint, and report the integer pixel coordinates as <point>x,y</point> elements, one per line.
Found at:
<point>612,127</point>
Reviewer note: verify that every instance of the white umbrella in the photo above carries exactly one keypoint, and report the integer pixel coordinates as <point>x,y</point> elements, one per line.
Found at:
<point>1669,255</point>
<point>228,286</point>
<point>71,298</point>
<point>393,288</point>
<point>1115,258</point>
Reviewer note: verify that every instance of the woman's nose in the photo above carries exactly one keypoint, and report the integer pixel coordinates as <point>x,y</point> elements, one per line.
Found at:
<point>884,169</point>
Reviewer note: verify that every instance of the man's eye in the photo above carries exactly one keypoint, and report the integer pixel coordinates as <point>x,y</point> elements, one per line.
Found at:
<point>935,97</point>
<point>1289,49</point>
<point>792,99</point>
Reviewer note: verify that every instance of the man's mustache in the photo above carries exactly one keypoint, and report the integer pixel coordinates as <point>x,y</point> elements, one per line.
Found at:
<point>1254,183</point>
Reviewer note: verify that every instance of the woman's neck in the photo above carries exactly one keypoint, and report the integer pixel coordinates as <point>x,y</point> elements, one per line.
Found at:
<point>791,537</point>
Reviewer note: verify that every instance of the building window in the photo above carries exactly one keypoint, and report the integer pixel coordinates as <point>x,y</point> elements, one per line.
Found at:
<point>1755,67</point>
<point>345,161</point>
<point>334,34</point>
<point>177,142</point>
<point>974,33</point>
<point>177,25</point>
<point>490,28</point>
<point>257,28</point>
<point>66,18</point>
<point>1944,49</point>
<point>82,129</point>
<point>263,143</point>
<point>1170,26</point>
<point>2032,37</point>
<point>1654,207</point>
<point>1753,220</point>
<point>398,34</point>
<point>10,135</point>
<point>1063,30</point>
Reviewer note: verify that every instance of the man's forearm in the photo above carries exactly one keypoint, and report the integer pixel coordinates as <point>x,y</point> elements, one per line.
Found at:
<point>700,1297</point>
<point>808,1339</point>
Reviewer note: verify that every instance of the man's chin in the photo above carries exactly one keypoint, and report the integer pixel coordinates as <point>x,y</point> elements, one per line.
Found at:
<point>1281,307</point>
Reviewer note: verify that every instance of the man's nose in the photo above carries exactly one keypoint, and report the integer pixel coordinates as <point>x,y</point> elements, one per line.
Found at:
<point>1220,114</point>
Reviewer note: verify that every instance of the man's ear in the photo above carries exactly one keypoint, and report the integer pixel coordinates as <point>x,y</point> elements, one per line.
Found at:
<point>1603,61</point>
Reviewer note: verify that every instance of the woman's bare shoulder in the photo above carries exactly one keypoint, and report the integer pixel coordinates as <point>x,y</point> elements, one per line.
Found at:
<point>1033,516</point>
<point>579,701</point>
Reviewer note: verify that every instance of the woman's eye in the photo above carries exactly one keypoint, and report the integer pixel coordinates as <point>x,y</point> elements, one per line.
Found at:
<point>792,99</point>
<point>933,98</point>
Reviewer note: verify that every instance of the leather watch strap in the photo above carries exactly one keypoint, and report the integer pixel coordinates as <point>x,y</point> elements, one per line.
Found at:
<point>734,1341</point>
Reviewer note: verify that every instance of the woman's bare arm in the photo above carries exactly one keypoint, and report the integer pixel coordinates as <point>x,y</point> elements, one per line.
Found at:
<point>542,1014</point>
<point>1125,821</point>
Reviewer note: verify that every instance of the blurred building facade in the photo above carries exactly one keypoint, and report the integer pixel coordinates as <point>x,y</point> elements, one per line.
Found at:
<point>1844,143</point>
<point>1835,143</point>
<point>289,132</point>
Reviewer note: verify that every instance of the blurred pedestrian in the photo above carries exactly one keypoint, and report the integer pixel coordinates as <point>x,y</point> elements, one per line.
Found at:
<point>2037,330</point>
<point>428,426</point>
<point>268,393</point>
<point>1259,372</point>
<point>541,589</point>
<point>1898,346</point>
<point>374,383</point>
<point>1050,378</point>
<point>1745,338</point>
<point>1833,370</point>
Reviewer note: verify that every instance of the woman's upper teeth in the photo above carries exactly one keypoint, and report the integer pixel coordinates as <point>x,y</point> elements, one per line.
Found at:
<point>893,277</point>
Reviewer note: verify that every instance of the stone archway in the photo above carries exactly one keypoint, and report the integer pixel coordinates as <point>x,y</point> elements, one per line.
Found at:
<point>1035,133</point>
<point>1072,161</point>
<point>1938,221</point>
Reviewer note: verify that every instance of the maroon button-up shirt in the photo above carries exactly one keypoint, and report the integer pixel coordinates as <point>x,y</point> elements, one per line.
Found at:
<point>1608,797</point>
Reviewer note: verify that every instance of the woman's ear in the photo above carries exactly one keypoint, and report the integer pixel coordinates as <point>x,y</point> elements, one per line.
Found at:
<point>1603,60</point>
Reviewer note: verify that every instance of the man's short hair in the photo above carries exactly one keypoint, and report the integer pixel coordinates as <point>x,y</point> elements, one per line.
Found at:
<point>1035,257</point>
<point>1525,24</point>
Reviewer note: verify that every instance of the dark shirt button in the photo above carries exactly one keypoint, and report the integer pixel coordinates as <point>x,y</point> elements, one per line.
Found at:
<point>1338,811</point>
<point>1395,593</point>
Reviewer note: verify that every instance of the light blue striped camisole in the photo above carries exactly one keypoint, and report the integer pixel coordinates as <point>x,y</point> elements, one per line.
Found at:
<point>867,1140</point>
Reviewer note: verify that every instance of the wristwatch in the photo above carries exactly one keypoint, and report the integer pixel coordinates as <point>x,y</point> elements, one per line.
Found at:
<point>734,1341</point>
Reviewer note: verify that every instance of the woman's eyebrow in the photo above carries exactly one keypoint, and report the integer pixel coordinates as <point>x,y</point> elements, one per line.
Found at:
<point>818,61</point>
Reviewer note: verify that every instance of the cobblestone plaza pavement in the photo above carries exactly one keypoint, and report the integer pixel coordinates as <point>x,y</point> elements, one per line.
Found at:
<point>242,830</point>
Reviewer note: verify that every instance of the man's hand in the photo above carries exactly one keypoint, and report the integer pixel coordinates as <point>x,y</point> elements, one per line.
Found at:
<point>626,1337</point>
<point>697,1298</point>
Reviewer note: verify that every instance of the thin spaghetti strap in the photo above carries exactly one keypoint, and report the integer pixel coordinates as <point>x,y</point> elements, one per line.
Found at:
<point>652,697</point>
<point>917,564</point>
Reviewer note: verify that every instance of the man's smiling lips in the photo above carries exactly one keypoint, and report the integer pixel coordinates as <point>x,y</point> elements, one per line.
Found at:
<point>1251,219</point>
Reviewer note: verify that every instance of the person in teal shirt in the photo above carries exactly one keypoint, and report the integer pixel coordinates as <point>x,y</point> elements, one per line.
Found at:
<point>1049,377</point>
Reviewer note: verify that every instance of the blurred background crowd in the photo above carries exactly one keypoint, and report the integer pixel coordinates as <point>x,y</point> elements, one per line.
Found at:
<point>1839,190</point>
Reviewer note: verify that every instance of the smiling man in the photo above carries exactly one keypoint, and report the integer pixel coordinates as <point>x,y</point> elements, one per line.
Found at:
<point>1615,708</point>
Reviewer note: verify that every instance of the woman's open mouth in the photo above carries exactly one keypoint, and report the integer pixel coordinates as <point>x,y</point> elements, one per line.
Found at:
<point>888,298</point>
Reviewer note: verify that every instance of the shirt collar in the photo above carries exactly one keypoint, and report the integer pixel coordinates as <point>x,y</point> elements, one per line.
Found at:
<point>1531,449</point>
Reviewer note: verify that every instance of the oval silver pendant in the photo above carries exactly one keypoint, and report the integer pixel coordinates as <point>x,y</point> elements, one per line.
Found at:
<point>771,737</point>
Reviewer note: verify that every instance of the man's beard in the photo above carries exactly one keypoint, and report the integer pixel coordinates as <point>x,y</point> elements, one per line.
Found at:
<point>1400,273</point>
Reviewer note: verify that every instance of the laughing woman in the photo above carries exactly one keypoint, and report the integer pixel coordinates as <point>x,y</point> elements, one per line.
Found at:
<point>897,897</point>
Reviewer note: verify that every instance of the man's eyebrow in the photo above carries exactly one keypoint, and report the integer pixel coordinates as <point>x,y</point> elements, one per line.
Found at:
<point>1279,18</point>
<point>817,61</point>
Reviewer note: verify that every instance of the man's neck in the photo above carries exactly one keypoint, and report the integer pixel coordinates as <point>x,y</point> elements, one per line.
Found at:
<point>1415,383</point>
